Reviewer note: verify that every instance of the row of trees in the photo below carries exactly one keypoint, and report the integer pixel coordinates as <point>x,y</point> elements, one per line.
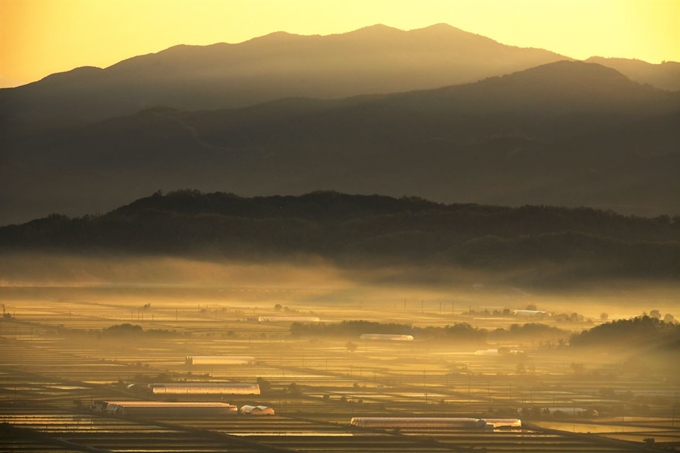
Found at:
<point>123,331</point>
<point>460,332</point>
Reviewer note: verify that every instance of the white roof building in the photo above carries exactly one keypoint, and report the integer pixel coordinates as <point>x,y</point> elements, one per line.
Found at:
<point>288,319</point>
<point>435,422</point>
<point>197,388</point>
<point>219,360</point>
<point>530,313</point>
<point>156,408</point>
<point>257,410</point>
<point>417,422</point>
<point>385,337</point>
<point>503,423</point>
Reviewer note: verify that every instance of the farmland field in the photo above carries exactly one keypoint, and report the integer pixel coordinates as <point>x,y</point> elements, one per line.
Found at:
<point>57,362</point>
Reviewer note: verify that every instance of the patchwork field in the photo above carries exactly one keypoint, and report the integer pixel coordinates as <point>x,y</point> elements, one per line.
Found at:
<point>57,361</point>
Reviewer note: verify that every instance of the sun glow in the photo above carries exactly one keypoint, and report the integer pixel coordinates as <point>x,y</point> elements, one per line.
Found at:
<point>40,37</point>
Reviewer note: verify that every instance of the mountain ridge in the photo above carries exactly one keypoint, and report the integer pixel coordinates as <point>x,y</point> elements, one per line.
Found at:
<point>538,136</point>
<point>542,245</point>
<point>665,75</point>
<point>272,67</point>
<point>373,60</point>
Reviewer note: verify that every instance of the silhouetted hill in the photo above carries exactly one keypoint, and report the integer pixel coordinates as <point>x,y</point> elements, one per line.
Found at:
<point>372,60</point>
<point>568,133</point>
<point>665,75</point>
<point>568,244</point>
<point>641,333</point>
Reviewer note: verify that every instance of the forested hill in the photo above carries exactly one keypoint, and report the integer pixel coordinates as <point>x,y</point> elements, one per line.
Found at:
<point>383,229</point>
<point>643,332</point>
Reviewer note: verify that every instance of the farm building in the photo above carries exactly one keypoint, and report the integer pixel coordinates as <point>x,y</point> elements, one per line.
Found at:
<point>257,410</point>
<point>219,360</point>
<point>386,337</point>
<point>416,422</point>
<point>434,422</point>
<point>197,388</point>
<point>486,352</point>
<point>573,410</point>
<point>503,422</point>
<point>530,313</point>
<point>142,408</point>
<point>289,319</point>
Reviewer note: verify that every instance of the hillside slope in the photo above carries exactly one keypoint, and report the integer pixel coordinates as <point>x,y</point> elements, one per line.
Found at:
<point>567,133</point>
<point>532,244</point>
<point>371,60</point>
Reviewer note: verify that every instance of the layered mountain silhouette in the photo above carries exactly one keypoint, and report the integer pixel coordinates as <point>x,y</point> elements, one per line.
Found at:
<point>566,133</point>
<point>371,60</point>
<point>665,75</point>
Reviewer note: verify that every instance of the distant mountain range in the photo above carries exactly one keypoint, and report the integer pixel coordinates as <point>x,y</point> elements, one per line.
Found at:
<point>371,60</point>
<point>665,75</point>
<point>554,132</point>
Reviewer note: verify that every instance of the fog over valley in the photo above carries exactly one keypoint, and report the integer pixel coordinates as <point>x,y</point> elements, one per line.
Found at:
<point>387,239</point>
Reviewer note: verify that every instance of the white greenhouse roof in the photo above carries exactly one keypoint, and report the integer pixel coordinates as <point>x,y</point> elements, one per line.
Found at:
<point>385,336</point>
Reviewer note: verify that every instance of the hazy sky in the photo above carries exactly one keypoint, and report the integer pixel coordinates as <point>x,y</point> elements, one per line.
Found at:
<point>40,37</point>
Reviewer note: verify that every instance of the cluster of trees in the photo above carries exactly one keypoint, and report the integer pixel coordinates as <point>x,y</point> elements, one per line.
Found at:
<point>125,330</point>
<point>537,413</point>
<point>530,332</point>
<point>559,317</point>
<point>349,329</point>
<point>644,332</point>
<point>573,318</point>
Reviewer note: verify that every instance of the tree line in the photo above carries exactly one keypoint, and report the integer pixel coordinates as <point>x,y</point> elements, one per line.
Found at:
<point>459,332</point>
<point>345,228</point>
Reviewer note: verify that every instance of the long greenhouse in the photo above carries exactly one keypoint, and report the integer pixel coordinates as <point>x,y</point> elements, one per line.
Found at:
<point>385,337</point>
<point>204,389</point>
<point>435,422</point>
<point>219,360</point>
<point>155,408</point>
<point>289,319</point>
<point>417,422</point>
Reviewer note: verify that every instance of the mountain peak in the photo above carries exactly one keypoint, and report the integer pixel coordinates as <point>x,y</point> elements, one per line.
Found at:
<point>377,29</point>
<point>440,27</point>
<point>275,36</point>
<point>570,69</point>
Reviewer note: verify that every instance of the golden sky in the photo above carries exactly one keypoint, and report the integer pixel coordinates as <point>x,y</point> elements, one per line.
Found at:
<point>40,37</point>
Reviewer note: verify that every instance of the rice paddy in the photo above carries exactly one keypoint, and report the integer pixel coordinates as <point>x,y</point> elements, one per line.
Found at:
<point>55,365</point>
